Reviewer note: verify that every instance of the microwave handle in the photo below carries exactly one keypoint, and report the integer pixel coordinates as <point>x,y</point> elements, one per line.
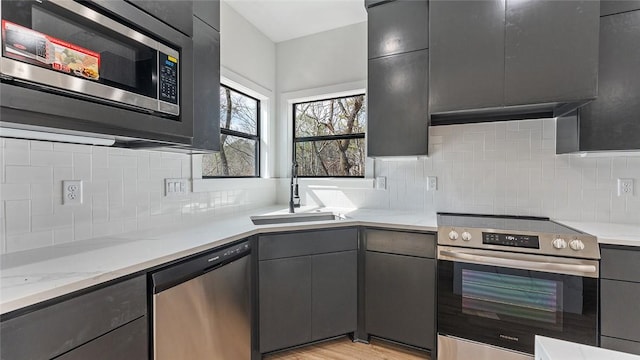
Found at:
<point>505,261</point>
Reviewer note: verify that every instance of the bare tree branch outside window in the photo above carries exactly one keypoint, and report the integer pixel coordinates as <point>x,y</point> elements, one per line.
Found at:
<point>329,137</point>
<point>239,137</point>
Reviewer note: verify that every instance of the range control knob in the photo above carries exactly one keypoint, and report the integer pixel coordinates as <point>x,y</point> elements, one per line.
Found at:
<point>576,245</point>
<point>453,235</point>
<point>466,236</point>
<point>559,243</point>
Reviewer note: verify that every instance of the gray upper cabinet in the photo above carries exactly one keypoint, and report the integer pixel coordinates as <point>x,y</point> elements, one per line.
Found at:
<point>208,11</point>
<point>609,7</point>
<point>515,59</point>
<point>467,55</point>
<point>551,51</point>
<point>206,87</point>
<point>398,27</point>
<point>176,13</point>
<point>397,94</point>
<point>398,78</point>
<point>611,121</point>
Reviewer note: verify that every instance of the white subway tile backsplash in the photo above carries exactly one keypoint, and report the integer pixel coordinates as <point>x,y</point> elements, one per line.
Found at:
<point>15,192</point>
<point>51,158</point>
<point>17,216</point>
<point>29,240</point>
<point>28,175</point>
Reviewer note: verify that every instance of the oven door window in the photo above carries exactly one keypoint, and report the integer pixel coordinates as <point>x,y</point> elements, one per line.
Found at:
<point>507,307</point>
<point>50,36</point>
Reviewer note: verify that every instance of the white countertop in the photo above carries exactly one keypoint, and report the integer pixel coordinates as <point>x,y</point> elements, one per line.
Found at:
<point>553,349</point>
<point>607,233</point>
<point>29,277</point>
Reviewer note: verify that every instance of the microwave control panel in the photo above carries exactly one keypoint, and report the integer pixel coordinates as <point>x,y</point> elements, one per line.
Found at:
<point>168,78</point>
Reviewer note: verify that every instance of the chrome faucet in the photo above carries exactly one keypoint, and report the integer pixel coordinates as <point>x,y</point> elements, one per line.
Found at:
<point>294,196</point>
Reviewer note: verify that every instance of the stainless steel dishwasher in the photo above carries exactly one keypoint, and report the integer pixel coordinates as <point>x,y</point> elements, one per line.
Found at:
<point>202,307</point>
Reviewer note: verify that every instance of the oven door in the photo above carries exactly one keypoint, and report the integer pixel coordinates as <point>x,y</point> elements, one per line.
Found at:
<point>67,46</point>
<point>505,299</point>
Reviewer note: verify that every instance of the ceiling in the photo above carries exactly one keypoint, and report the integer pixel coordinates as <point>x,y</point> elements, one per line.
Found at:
<point>282,20</point>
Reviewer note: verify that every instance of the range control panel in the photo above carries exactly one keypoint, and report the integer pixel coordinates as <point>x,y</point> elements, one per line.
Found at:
<point>524,241</point>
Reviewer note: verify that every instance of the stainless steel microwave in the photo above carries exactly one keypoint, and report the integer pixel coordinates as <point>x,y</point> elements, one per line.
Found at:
<point>126,68</point>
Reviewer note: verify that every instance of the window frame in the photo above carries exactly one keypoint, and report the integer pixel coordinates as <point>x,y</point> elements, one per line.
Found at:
<point>240,134</point>
<point>295,139</point>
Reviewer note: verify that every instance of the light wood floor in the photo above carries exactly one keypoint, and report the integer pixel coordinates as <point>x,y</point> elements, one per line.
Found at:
<point>345,349</point>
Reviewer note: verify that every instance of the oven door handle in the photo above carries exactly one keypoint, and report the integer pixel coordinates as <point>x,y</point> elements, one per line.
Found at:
<point>578,269</point>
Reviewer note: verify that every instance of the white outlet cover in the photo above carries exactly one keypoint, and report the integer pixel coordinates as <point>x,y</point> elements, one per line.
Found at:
<point>432,183</point>
<point>381,182</point>
<point>175,187</point>
<point>71,192</point>
<point>625,187</point>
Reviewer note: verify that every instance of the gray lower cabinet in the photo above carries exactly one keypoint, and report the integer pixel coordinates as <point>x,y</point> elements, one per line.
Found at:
<point>400,287</point>
<point>127,342</point>
<point>611,121</point>
<point>72,324</point>
<point>397,27</point>
<point>398,88</point>
<point>307,287</point>
<point>620,291</point>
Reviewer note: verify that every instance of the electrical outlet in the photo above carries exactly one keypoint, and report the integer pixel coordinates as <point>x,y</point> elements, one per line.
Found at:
<point>175,187</point>
<point>625,187</point>
<point>71,192</point>
<point>381,182</point>
<point>432,183</point>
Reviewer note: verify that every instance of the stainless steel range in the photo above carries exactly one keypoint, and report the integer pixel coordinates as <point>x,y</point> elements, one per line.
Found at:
<point>504,279</point>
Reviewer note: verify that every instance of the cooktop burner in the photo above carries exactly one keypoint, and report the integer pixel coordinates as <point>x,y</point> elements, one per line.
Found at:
<point>526,234</point>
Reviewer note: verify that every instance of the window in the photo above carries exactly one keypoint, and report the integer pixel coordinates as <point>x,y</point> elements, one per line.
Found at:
<point>239,137</point>
<point>329,137</point>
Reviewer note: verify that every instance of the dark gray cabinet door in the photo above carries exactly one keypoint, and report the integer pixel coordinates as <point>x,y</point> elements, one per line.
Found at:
<point>397,105</point>
<point>553,60</point>
<point>176,13</point>
<point>284,302</point>
<point>609,7</point>
<point>130,342</point>
<point>619,316</point>
<point>273,246</point>
<point>620,264</point>
<point>208,11</point>
<point>631,347</point>
<point>206,87</point>
<point>335,293</point>
<point>466,55</point>
<point>398,27</point>
<point>400,298</point>
<point>56,329</point>
<point>611,121</point>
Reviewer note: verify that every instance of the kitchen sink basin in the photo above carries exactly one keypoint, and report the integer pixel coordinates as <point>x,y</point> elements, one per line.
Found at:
<point>295,218</point>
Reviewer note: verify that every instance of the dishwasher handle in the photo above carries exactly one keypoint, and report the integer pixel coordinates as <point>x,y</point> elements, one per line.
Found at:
<point>186,270</point>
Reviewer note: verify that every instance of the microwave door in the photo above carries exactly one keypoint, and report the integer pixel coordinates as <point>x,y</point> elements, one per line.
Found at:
<point>69,48</point>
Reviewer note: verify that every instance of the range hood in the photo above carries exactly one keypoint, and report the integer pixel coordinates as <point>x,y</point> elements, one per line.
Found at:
<point>518,112</point>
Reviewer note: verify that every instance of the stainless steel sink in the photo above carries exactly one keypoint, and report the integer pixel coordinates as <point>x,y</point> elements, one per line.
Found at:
<point>295,218</point>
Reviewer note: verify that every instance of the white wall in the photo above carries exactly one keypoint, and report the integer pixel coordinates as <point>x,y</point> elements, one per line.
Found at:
<point>123,189</point>
<point>327,60</point>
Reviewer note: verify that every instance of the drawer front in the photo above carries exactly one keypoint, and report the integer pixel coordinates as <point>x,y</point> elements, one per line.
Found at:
<point>617,303</point>
<point>306,243</point>
<point>399,242</point>
<point>631,347</point>
<point>56,329</point>
<point>128,342</point>
<point>620,264</point>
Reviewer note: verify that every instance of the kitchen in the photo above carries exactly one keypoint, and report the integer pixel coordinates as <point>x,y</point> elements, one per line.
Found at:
<point>146,206</point>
